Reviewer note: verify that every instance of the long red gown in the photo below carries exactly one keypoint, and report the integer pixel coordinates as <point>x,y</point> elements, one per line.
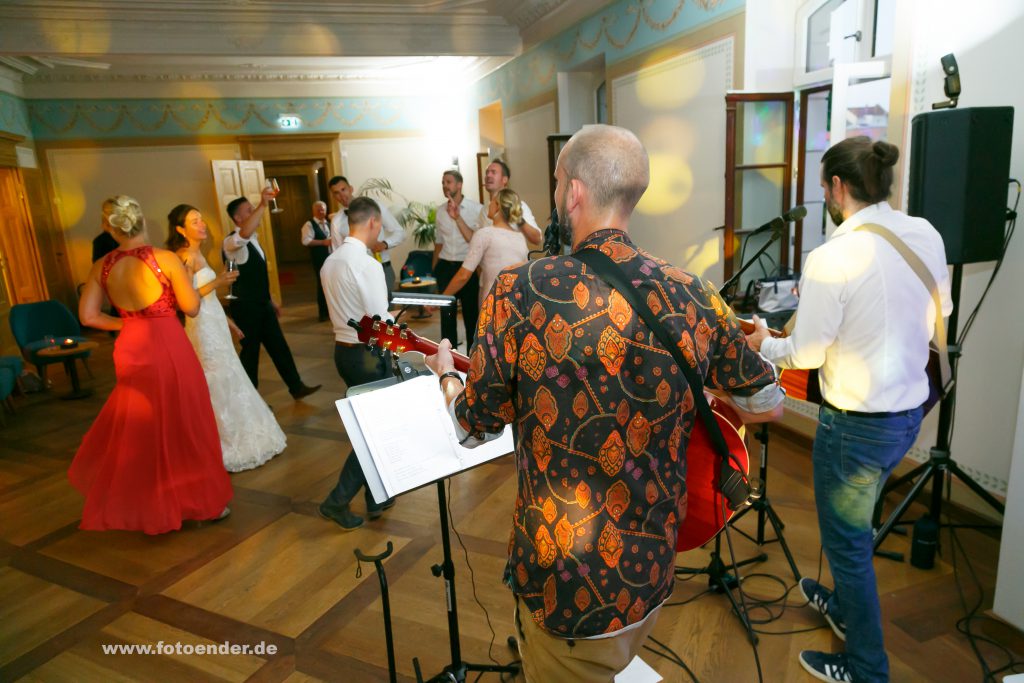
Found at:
<point>152,458</point>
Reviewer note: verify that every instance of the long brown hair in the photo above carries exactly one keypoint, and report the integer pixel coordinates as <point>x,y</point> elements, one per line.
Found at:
<point>176,219</point>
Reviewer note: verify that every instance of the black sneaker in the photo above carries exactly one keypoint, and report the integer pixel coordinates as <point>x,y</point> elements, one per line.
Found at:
<point>343,517</point>
<point>826,666</point>
<point>377,511</point>
<point>817,597</point>
<point>303,391</point>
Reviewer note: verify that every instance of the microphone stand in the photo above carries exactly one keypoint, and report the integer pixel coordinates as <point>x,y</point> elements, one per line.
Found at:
<point>734,281</point>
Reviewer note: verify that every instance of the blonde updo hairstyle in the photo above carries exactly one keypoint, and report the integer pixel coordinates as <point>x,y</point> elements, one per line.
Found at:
<point>510,206</point>
<point>126,216</point>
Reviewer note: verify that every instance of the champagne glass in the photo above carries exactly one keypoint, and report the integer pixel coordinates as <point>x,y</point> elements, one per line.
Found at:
<point>231,266</point>
<point>272,184</point>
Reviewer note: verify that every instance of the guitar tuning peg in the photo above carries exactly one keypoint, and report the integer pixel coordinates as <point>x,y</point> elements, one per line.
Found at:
<point>390,321</point>
<point>403,326</point>
<point>376,318</point>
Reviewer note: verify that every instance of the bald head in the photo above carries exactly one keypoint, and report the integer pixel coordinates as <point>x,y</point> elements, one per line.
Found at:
<point>611,162</point>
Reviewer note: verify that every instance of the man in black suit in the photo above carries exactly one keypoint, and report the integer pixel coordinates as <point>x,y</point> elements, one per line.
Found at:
<point>255,313</point>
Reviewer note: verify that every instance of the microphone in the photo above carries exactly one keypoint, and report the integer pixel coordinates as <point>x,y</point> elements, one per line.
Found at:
<point>777,223</point>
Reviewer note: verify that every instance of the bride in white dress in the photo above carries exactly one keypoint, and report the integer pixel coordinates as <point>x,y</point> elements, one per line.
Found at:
<point>249,433</point>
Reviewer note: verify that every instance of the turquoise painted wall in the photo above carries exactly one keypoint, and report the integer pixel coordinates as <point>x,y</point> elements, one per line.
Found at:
<point>14,115</point>
<point>618,31</point>
<point>127,118</point>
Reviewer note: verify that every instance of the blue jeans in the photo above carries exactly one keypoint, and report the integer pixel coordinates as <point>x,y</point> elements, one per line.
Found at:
<point>356,366</point>
<point>853,456</point>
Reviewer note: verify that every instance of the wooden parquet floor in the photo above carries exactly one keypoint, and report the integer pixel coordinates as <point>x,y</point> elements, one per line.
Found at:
<point>275,574</point>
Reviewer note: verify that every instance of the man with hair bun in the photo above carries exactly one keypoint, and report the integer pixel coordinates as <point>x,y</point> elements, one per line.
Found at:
<point>865,319</point>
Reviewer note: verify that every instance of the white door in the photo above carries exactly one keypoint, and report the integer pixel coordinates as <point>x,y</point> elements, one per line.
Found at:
<point>233,179</point>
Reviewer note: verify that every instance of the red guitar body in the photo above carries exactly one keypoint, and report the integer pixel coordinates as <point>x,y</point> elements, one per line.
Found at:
<point>703,500</point>
<point>704,506</point>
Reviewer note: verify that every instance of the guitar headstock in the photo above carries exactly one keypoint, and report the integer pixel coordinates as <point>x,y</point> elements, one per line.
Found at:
<point>384,334</point>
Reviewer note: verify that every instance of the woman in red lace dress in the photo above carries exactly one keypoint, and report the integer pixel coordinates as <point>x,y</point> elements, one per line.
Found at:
<point>152,458</point>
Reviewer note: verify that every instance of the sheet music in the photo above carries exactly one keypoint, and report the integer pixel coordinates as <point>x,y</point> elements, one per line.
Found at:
<point>422,447</point>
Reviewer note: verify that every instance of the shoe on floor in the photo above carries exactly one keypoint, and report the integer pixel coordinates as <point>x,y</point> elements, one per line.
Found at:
<point>304,391</point>
<point>376,512</point>
<point>817,596</point>
<point>343,517</point>
<point>826,666</point>
<point>223,514</point>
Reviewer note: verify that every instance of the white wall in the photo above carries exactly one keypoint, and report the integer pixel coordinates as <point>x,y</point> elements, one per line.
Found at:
<point>577,99</point>
<point>526,142</point>
<point>158,177</point>
<point>414,167</point>
<point>985,36</point>
<point>677,109</point>
<point>769,48</point>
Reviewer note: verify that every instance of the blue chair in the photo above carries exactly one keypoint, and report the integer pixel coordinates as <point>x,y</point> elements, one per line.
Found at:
<point>8,380</point>
<point>32,323</point>
<point>418,264</point>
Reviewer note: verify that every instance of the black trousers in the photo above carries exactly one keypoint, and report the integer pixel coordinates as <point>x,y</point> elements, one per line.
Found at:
<point>260,325</point>
<point>356,366</point>
<point>468,296</point>
<point>321,300</point>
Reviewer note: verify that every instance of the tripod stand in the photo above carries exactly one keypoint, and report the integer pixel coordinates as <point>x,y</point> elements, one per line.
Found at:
<point>456,671</point>
<point>940,463</point>
<point>765,511</point>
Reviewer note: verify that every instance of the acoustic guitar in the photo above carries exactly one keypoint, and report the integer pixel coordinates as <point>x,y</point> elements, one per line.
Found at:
<point>704,502</point>
<point>803,385</point>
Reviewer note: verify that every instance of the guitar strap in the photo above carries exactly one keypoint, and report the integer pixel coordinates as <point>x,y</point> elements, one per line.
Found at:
<point>732,483</point>
<point>922,272</point>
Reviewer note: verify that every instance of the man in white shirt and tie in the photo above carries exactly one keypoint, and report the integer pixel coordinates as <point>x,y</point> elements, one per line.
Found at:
<point>390,236</point>
<point>865,318</point>
<point>253,310</point>
<point>451,243</point>
<point>316,236</point>
<point>496,178</point>
<point>354,286</point>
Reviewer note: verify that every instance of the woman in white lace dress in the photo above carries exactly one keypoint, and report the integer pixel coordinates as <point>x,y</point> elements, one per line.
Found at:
<point>249,433</point>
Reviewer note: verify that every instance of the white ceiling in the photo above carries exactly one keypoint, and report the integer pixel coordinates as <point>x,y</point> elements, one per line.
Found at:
<point>356,41</point>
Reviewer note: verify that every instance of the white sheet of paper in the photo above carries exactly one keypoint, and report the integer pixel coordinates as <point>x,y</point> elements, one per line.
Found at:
<point>355,436</point>
<point>422,447</point>
<point>638,671</point>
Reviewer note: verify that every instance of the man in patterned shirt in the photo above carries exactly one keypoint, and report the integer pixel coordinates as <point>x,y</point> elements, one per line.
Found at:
<point>602,416</point>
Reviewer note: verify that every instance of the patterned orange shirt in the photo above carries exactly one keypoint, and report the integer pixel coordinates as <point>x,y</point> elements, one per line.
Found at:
<point>602,416</point>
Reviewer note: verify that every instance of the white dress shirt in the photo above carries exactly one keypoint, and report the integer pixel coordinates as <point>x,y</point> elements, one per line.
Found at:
<point>235,247</point>
<point>864,316</point>
<point>484,222</point>
<point>354,286</point>
<point>391,233</point>
<point>307,232</point>
<point>454,246</point>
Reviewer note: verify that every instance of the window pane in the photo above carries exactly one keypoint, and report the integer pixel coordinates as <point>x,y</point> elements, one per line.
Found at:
<point>758,196</point>
<point>885,20</point>
<point>818,25</point>
<point>867,109</point>
<point>762,130</point>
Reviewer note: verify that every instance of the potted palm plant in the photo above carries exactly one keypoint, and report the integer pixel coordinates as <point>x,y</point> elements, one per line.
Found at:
<point>418,218</point>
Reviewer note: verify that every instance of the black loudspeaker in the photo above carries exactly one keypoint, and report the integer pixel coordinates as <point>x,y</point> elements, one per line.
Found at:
<point>959,170</point>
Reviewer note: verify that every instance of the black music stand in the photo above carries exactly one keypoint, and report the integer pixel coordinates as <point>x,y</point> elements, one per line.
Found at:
<point>457,670</point>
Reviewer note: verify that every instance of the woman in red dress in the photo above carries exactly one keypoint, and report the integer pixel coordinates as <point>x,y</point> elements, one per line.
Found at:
<point>152,458</point>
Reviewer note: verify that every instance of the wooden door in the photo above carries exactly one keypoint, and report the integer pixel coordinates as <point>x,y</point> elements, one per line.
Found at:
<point>233,179</point>
<point>758,178</point>
<point>52,248</point>
<point>296,205</point>
<point>22,272</point>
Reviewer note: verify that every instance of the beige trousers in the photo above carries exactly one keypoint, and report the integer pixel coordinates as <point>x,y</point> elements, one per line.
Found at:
<point>550,659</point>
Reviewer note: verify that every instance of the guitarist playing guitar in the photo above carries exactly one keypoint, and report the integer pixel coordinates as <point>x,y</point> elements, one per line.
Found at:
<point>871,297</point>
<point>602,415</point>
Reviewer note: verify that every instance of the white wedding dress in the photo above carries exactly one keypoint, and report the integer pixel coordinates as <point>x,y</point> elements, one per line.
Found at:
<point>249,433</point>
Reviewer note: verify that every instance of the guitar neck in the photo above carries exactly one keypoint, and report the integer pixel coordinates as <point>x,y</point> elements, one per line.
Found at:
<point>429,348</point>
<point>747,327</point>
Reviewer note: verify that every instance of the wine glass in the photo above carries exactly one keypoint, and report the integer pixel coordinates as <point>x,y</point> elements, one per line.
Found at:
<point>272,184</point>
<point>231,266</point>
